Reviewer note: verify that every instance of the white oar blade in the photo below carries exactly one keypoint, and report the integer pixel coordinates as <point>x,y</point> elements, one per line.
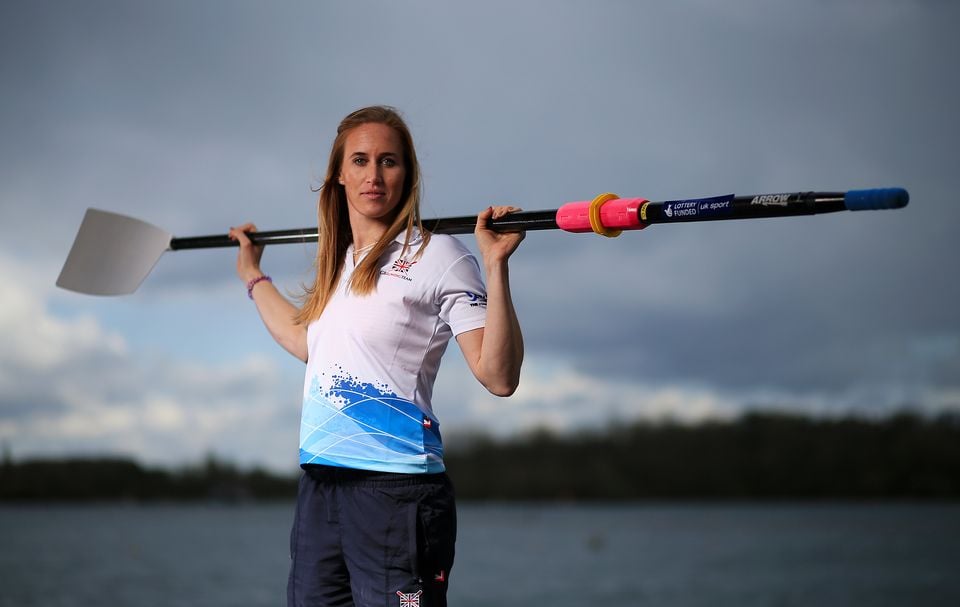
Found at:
<point>112,254</point>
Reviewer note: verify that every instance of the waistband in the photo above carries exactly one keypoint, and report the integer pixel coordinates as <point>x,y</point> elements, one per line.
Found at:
<point>370,478</point>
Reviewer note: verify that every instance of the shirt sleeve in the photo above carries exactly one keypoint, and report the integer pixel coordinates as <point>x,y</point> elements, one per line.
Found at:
<point>462,296</point>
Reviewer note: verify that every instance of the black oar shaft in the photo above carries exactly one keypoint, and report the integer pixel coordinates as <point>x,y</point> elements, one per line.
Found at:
<point>630,214</point>
<point>515,222</point>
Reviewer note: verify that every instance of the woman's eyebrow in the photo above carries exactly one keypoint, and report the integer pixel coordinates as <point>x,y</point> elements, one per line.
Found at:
<point>383,155</point>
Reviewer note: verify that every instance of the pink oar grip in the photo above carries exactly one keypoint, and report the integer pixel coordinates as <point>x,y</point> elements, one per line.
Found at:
<point>618,214</point>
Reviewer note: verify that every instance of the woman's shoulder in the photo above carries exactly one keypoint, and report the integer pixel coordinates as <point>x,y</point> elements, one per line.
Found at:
<point>446,248</point>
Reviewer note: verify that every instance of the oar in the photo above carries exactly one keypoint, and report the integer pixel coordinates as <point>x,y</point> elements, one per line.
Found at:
<point>112,254</point>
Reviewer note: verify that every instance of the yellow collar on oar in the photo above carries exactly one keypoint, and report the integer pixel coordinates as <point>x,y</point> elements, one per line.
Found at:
<point>594,215</point>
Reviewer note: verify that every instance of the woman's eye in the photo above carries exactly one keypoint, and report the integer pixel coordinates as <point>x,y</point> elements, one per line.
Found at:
<point>388,162</point>
<point>359,161</point>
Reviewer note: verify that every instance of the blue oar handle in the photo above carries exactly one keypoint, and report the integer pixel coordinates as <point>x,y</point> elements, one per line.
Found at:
<point>875,200</point>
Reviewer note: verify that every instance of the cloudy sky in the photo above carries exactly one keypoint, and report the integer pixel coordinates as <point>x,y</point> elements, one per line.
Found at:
<point>196,116</point>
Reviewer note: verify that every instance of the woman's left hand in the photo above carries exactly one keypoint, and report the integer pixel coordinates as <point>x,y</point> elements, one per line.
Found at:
<point>496,246</point>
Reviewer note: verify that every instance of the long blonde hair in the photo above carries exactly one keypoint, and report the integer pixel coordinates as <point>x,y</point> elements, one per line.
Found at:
<point>333,219</point>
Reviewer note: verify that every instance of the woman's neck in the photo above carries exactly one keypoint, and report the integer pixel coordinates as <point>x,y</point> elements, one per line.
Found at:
<point>367,231</point>
<point>364,240</point>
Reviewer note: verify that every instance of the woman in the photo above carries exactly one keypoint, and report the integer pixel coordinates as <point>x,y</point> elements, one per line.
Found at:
<point>375,521</point>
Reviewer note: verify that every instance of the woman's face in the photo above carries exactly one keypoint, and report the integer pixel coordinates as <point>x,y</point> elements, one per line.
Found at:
<point>372,172</point>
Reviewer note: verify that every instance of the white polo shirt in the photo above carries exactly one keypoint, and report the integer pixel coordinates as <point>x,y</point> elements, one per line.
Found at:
<point>372,360</point>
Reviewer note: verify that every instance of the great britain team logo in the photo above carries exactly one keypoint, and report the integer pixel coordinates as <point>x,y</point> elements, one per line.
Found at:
<point>402,265</point>
<point>399,269</point>
<point>409,600</point>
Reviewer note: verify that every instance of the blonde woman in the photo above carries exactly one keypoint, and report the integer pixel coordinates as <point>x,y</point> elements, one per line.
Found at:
<point>376,521</point>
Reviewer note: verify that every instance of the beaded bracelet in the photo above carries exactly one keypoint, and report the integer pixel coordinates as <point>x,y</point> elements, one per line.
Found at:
<point>253,283</point>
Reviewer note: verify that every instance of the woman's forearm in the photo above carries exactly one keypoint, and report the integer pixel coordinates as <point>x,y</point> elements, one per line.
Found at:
<point>501,351</point>
<point>275,310</point>
<point>277,314</point>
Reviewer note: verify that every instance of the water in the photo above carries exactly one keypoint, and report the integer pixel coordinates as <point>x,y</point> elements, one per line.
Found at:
<point>508,555</point>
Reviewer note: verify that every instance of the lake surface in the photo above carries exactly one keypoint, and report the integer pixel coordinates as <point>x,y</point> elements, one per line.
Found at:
<point>508,555</point>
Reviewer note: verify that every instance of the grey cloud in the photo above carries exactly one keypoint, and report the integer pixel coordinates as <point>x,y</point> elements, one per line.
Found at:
<point>195,120</point>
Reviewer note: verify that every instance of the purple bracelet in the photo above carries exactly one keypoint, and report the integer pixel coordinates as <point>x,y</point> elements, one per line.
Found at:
<point>254,282</point>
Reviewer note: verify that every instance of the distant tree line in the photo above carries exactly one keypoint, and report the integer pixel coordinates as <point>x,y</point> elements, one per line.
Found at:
<point>107,478</point>
<point>758,456</point>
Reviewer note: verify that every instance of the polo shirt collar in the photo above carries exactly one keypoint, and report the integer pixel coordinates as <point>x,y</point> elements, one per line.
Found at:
<point>415,237</point>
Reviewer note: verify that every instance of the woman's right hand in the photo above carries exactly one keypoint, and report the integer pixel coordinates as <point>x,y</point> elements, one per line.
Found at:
<point>248,259</point>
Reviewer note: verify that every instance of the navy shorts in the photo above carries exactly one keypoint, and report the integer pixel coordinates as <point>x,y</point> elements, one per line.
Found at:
<point>364,538</point>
